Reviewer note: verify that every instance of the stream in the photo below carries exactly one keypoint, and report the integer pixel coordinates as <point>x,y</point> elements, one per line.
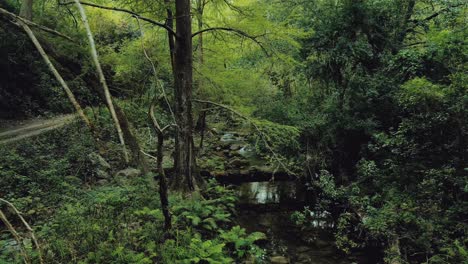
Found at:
<point>267,207</point>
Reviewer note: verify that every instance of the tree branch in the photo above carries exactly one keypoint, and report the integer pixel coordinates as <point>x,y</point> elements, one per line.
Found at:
<point>153,67</point>
<point>236,31</point>
<point>102,79</point>
<point>25,223</point>
<point>417,23</point>
<point>262,135</point>
<point>149,20</point>
<point>30,23</point>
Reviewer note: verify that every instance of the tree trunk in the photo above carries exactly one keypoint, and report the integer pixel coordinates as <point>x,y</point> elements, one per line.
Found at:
<point>199,15</point>
<point>102,79</point>
<point>138,159</point>
<point>183,62</point>
<point>170,36</point>
<point>26,9</point>
<point>162,176</point>
<point>171,41</point>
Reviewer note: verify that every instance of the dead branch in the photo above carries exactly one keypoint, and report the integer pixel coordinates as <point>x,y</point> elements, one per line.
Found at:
<point>32,24</point>
<point>262,135</point>
<point>153,67</point>
<point>28,227</point>
<point>56,74</point>
<point>102,79</point>
<point>16,236</point>
<point>159,161</point>
<point>149,20</point>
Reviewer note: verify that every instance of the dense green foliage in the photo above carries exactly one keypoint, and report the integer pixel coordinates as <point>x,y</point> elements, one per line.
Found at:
<point>364,100</point>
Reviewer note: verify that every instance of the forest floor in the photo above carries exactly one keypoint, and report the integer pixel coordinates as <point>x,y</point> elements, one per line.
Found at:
<point>11,131</point>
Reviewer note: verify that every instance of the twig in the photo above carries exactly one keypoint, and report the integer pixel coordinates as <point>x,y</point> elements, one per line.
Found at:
<point>236,31</point>
<point>30,23</point>
<point>28,227</point>
<point>16,236</point>
<point>149,20</point>
<point>153,67</point>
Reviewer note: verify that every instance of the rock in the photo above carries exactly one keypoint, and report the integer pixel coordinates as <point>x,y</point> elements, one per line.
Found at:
<point>128,173</point>
<point>98,161</point>
<point>279,260</point>
<point>101,174</point>
<point>73,180</point>
<point>101,167</point>
<point>235,147</point>
<point>237,163</point>
<point>304,258</point>
<point>102,182</point>
<point>303,249</point>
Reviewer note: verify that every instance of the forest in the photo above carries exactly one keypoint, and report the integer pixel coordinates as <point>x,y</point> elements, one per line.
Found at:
<point>234,131</point>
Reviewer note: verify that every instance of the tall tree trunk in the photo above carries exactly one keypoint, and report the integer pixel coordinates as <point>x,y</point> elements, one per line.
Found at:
<point>201,123</point>
<point>183,97</point>
<point>26,9</point>
<point>171,41</point>
<point>199,15</point>
<point>170,36</point>
<point>102,79</point>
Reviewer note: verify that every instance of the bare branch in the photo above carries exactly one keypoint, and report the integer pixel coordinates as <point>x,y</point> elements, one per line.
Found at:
<point>421,22</point>
<point>16,236</point>
<point>262,135</point>
<point>153,67</point>
<point>56,74</point>
<point>30,23</point>
<point>236,31</point>
<point>149,20</point>
<point>102,79</point>
<point>28,227</point>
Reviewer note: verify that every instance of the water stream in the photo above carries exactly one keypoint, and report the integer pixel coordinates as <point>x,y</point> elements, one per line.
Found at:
<point>267,207</point>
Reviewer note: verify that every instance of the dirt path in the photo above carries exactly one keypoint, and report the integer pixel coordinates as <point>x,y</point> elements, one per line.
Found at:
<point>14,131</point>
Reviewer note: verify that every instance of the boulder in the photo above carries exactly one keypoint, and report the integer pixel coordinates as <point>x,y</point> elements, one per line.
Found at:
<point>128,173</point>
<point>98,161</point>
<point>279,260</point>
<point>238,163</point>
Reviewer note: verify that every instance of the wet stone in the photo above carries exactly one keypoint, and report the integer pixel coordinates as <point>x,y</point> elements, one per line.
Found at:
<point>279,260</point>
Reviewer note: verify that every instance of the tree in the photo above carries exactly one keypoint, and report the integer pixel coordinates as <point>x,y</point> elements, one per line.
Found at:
<point>120,120</point>
<point>26,10</point>
<point>183,62</point>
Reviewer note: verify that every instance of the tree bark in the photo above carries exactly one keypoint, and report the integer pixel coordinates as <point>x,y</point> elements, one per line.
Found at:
<point>171,42</point>
<point>26,9</point>
<point>159,161</point>
<point>102,79</point>
<point>183,62</point>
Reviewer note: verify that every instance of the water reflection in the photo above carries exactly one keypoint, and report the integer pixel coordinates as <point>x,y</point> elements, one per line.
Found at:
<point>267,192</point>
